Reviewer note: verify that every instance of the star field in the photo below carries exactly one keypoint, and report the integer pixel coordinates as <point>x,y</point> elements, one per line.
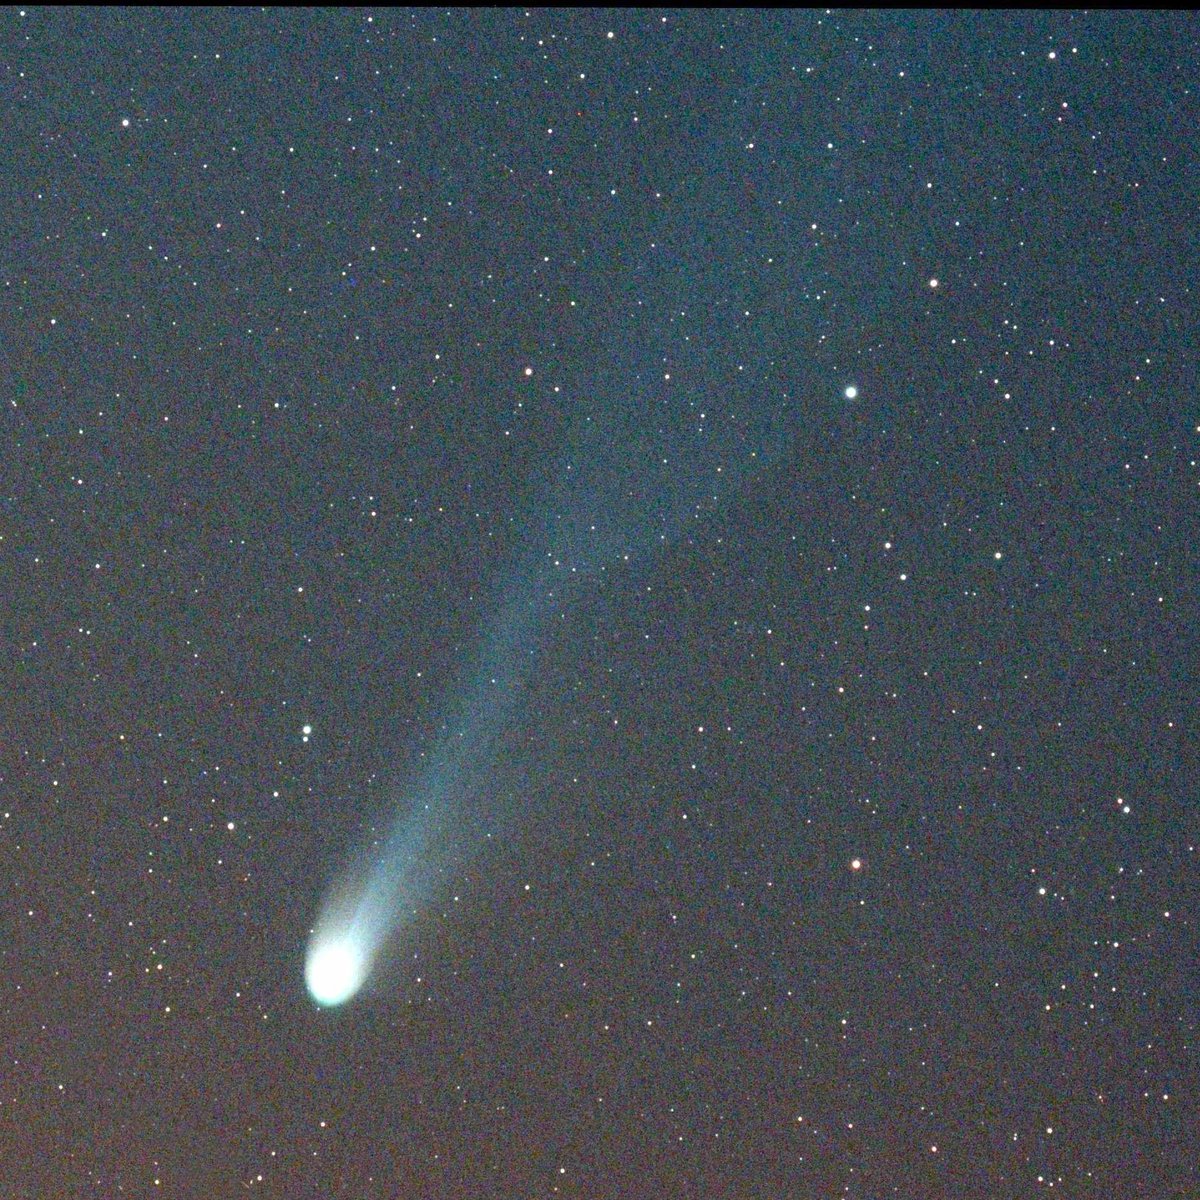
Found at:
<point>759,451</point>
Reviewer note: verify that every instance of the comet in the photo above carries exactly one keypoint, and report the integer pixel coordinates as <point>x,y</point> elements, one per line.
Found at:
<point>634,476</point>
<point>449,806</point>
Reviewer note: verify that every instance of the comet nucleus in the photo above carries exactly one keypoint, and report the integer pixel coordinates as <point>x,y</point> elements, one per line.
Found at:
<point>335,970</point>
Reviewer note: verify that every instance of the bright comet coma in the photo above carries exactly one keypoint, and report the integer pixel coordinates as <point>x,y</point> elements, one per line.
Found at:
<point>335,969</point>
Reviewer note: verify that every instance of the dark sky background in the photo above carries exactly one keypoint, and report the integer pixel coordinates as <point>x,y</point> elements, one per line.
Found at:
<point>842,840</point>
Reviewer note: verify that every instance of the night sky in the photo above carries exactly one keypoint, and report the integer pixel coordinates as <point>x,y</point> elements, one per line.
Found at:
<point>705,503</point>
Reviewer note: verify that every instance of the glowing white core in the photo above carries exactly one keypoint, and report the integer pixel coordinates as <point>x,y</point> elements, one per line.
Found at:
<point>335,970</point>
